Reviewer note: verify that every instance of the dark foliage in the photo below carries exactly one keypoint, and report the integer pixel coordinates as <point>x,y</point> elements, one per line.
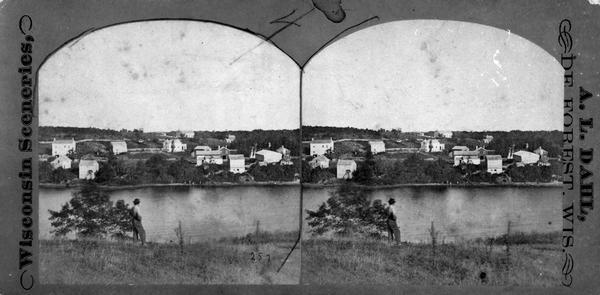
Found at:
<point>59,175</point>
<point>348,211</point>
<point>365,171</point>
<point>273,172</point>
<point>316,175</point>
<point>551,141</point>
<point>309,132</point>
<point>90,213</point>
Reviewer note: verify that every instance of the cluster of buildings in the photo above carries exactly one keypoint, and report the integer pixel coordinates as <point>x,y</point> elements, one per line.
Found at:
<point>493,163</point>
<point>61,149</point>
<point>64,156</point>
<point>320,148</point>
<point>522,158</point>
<point>462,155</point>
<point>236,163</point>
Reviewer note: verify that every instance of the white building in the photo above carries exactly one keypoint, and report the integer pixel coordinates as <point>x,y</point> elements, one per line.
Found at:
<point>209,157</point>
<point>321,146</point>
<point>174,146</point>
<point>493,164</point>
<point>268,156</point>
<point>377,146</point>
<point>543,154</point>
<point>487,139</point>
<point>237,163</point>
<point>446,134</point>
<point>458,148</point>
<point>525,158</point>
<point>466,157</point>
<point>345,168</point>
<point>230,138</point>
<point>88,169</point>
<point>432,146</point>
<point>188,134</point>
<point>61,161</point>
<point>200,148</point>
<point>63,147</point>
<point>283,151</point>
<point>319,161</point>
<point>119,147</point>
<point>286,156</point>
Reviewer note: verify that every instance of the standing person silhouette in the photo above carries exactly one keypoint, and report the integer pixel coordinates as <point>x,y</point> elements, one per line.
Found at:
<point>138,230</point>
<point>392,222</point>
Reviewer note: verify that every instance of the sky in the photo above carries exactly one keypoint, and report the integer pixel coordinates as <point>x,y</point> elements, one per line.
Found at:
<point>170,75</point>
<point>423,75</point>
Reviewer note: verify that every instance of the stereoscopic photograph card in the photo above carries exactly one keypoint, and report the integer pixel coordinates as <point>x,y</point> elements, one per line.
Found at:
<point>303,147</point>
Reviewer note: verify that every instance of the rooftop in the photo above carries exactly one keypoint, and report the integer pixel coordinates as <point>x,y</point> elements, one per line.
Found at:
<point>493,157</point>
<point>522,152</point>
<point>466,153</point>
<point>208,153</point>
<point>345,162</point>
<point>88,162</point>
<point>61,141</point>
<point>264,151</point>
<point>321,141</point>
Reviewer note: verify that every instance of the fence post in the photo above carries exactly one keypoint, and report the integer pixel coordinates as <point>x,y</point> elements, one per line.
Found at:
<point>507,244</point>
<point>257,231</point>
<point>180,235</point>
<point>433,235</point>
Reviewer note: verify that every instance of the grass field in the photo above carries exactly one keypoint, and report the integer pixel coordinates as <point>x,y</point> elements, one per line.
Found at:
<point>227,261</point>
<point>532,260</point>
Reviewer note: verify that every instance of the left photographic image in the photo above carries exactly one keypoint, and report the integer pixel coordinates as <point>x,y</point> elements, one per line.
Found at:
<point>169,154</point>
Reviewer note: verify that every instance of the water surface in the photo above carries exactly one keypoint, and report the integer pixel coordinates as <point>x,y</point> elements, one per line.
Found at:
<point>463,213</point>
<point>205,213</point>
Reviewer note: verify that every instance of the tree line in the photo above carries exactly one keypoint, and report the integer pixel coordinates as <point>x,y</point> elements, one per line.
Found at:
<point>243,143</point>
<point>550,141</point>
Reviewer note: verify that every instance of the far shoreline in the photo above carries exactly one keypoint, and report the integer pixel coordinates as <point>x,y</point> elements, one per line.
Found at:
<point>308,185</point>
<point>146,185</point>
<point>459,185</point>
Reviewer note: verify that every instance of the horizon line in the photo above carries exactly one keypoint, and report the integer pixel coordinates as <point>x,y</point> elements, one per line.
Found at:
<point>312,126</point>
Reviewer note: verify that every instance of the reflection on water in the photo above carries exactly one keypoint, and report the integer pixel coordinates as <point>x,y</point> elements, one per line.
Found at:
<point>463,213</point>
<point>205,213</point>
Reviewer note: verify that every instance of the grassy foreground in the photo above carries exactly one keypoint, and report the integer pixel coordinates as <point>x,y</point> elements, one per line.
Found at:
<point>227,261</point>
<point>532,260</point>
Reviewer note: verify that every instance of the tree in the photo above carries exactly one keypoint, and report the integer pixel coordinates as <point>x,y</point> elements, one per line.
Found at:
<point>366,170</point>
<point>157,168</point>
<point>348,211</point>
<point>90,213</point>
<point>106,173</point>
<point>60,175</point>
<point>45,172</point>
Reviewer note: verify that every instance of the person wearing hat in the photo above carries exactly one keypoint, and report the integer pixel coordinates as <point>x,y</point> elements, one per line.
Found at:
<point>138,230</point>
<point>392,222</point>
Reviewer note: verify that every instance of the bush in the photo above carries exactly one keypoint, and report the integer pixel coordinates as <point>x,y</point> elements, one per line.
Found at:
<point>348,211</point>
<point>90,213</point>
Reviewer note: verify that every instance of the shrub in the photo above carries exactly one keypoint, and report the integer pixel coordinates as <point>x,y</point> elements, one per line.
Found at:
<point>348,211</point>
<point>90,213</point>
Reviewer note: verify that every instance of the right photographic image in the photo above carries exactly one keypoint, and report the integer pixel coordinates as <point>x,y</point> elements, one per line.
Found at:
<point>431,156</point>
